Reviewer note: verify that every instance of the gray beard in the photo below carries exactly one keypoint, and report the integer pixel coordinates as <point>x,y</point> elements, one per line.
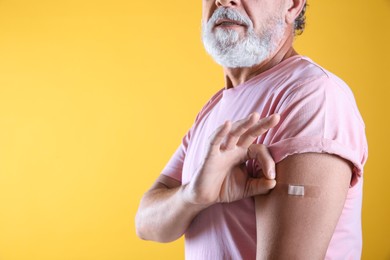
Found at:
<point>228,50</point>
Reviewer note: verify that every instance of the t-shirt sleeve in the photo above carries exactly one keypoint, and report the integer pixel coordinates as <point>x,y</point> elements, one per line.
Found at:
<point>174,167</point>
<point>319,116</point>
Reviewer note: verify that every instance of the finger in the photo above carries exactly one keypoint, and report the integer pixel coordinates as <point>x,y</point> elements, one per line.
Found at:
<point>239,128</point>
<point>261,153</point>
<point>258,129</point>
<point>218,136</point>
<point>259,186</point>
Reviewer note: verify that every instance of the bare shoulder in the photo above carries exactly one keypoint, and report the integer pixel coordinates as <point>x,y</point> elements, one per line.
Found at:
<point>313,168</point>
<point>300,227</point>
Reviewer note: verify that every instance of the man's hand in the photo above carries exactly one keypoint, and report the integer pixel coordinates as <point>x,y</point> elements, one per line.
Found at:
<point>223,176</point>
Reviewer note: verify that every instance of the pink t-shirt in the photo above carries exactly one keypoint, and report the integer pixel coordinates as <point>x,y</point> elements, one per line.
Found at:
<point>318,114</point>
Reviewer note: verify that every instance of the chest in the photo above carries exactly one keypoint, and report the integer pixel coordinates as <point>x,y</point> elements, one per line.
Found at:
<point>228,108</point>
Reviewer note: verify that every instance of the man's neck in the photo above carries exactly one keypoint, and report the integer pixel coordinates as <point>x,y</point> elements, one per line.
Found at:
<point>237,76</point>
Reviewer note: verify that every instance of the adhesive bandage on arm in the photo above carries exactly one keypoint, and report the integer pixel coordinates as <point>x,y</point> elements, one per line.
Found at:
<point>300,191</point>
<point>296,190</point>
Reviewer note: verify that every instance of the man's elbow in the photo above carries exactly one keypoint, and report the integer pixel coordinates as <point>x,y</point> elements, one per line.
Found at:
<point>140,235</point>
<point>152,237</point>
<point>145,232</point>
<point>141,228</point>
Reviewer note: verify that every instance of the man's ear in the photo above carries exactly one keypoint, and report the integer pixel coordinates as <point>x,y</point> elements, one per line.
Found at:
<point>294,9</point>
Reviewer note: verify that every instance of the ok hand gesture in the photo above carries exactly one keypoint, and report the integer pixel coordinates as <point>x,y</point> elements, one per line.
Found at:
<point>223,176</point>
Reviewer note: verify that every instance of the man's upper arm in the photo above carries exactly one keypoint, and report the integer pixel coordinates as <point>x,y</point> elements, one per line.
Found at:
<point>300,227</point>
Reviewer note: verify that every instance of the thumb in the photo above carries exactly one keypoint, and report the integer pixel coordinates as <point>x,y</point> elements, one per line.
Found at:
<point>259,186</point>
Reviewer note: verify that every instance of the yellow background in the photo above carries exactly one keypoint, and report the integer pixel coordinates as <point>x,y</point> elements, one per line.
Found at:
<point>95,96</point>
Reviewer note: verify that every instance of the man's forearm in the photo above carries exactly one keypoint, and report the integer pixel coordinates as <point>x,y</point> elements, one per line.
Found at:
<point>164,215</point>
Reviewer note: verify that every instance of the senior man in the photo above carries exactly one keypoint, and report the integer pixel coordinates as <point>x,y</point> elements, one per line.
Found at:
<point>279,112</point>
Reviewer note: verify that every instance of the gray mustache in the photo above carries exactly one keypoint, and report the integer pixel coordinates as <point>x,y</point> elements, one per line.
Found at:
<point>227,13</point>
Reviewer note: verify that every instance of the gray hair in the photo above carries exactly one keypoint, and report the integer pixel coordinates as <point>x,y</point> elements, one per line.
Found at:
<point>300,22</point>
